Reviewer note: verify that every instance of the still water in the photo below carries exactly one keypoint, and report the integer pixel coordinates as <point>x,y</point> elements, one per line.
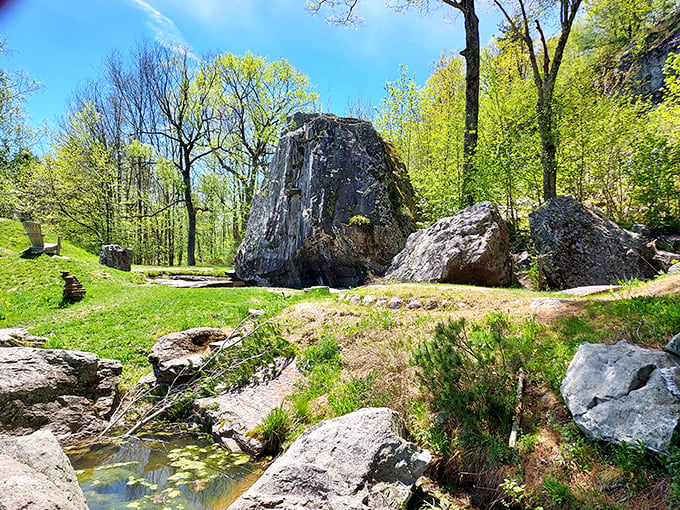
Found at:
<point>161,472</point>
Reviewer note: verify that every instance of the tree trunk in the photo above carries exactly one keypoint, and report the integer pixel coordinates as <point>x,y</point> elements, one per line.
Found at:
<point>548,152</point>
<point>471,55</point>
<point>191,211</point>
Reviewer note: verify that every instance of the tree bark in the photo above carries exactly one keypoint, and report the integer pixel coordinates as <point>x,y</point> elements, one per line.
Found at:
<point>471,55</point>
<point>191,210</point>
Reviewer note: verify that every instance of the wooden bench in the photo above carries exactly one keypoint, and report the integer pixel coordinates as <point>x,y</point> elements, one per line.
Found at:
<point>37,238</point>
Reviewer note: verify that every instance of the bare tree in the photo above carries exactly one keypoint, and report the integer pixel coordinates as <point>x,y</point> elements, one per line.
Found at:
<point>185,119</point>
<point>545,71</point>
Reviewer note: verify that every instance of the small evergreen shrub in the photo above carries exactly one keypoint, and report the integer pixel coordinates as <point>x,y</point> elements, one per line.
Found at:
<point>470,374</point>
<point>362,222</point>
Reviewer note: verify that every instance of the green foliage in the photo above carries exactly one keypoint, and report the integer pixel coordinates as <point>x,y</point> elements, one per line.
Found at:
<point>470,373</point>
<point>275,429</point>
<point>321,365</point>
<point>362,222</point>
<point>327,351</point>
<point>559,493</point>
<point>655,174</point>
<point>672,465</point>
<point>352,395</point>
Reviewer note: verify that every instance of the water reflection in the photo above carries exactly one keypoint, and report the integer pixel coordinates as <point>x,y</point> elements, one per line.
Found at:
<point>155,472</point>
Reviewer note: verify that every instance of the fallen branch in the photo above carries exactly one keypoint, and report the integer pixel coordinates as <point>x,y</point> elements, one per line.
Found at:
<point>210,373</point>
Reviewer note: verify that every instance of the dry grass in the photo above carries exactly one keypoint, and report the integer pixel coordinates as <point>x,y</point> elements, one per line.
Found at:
<point>377,340</point>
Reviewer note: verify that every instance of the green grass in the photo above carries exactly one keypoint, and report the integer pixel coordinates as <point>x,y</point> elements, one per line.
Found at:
<point>119,318</point>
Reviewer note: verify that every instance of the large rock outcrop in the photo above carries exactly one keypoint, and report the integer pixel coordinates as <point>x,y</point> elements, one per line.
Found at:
<point>35,474</point>
<point>71,393</point>
<point>624,394</point>
<point>640,70</point>
<point>117,257</point>
<point>356,461</point>
<point>578,247</point>
<point>335,207</point>
<point>471,247</point>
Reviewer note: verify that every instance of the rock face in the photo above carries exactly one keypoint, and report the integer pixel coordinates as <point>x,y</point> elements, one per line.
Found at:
<point>19,337</point>
<point>113,255</point>
<point>641,72</point>
<point>335,207</point>
<point>356,461</point>
<point>470,247</point>
<point>71,393</point>
<point>35,474</point>
<point>624,394</point>
<point>178,356</point>
<point>233,416</point>
<point>579,247</point>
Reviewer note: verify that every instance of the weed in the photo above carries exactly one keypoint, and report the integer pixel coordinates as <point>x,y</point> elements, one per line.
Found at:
<point>327,351</point>
<point>514,492</point>
<point>362,222</point>
<point>274,429</point>
<point>352,395</point>
<point>558,492</point>
<point>672,465</point>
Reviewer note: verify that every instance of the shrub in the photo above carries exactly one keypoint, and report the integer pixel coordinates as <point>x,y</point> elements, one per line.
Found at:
<point>362,222</point>
<point>470,374</point>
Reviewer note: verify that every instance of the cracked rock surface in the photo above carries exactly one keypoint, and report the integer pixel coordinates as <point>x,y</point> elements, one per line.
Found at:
<point>624,393</point>
<point>335,206</point>
<point>357,461</point>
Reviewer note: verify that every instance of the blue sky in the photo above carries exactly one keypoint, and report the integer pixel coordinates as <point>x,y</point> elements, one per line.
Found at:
<point>62,43</point>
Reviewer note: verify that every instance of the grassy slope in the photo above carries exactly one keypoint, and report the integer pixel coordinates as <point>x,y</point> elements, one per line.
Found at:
<point>120,317</point>
<point>554,465</point>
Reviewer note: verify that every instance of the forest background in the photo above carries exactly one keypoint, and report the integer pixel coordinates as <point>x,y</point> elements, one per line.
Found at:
<point>162,151</point>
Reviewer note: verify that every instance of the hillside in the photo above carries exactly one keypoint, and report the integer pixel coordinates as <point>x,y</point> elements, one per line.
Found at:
<point>359,355</point>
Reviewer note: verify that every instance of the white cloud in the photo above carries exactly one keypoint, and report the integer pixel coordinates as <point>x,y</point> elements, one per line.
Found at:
<point>216,12</point>
<point>167,33</point>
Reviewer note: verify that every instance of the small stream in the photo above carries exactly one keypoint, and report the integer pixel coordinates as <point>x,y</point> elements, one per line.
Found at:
<point>162,472</point>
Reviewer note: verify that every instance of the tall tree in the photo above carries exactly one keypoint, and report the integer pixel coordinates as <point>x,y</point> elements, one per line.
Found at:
<point>545,71</point>
<point>471,54</point>
<point>255,98</point>
<point>185,119</point>
<point>15,136</point>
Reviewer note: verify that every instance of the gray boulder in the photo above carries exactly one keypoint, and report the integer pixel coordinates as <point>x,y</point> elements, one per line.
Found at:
<point>113,255</point>
<point>35,474</point>
<point>234,416</point>
<point>176,357</point>
<point>624,394</point>
<point>19,337</point>
<point>674,269</point>
<point>335,207</point>
<point>71,393</point>
<point>578,247</point>
<point>471,247</point>
<point>356,461</point>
